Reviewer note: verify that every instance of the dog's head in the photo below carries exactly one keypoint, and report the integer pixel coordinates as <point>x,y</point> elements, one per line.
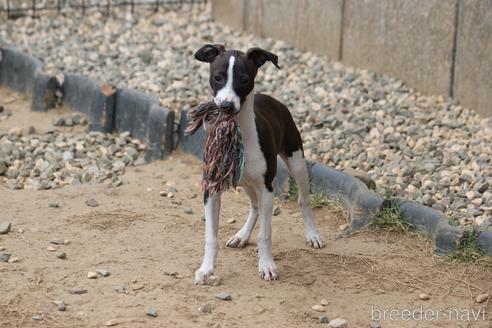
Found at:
<point>232,72</point>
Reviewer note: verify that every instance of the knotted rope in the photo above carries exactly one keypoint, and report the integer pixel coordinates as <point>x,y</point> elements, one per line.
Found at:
<point>223,157</point>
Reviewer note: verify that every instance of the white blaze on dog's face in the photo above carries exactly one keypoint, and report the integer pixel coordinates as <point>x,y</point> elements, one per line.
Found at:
<point>226,96</point>
<point>232,73</point>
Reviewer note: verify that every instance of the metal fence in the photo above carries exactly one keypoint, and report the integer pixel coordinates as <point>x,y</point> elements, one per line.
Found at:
<point>20,8</point>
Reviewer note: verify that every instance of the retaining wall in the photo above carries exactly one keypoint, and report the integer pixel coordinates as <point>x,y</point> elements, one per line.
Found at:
<point>436,46</point>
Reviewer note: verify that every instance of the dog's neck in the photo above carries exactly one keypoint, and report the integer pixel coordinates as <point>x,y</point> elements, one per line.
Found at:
<point>246,116</point>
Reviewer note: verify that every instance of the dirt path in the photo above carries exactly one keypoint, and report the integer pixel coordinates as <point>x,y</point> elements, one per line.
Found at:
<point>152,247</point>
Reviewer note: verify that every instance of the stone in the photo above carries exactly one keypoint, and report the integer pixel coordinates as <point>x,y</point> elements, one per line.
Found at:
<point>37,318</point>
<point>77,291</point>
<point>61,255</point>
<point>151,312</point>
<point>224,296</point>
<point>231,221</point>
<point>483,187</point>
<point>318,308</point>
<point>50,249</point>
<point>362,176</point>
<point>276,210</point>
<point>482,298</point>
<point>4,257</point>
<point>5,227</point>
<point>59,121</point>
<point>61,307</point>
<point>324,319</point>
<point>324,302</point>
<point>205,309</point>
<point>111,323</point>
<point>214,281</point>
<point>13,259</point>
<point>120,288</point>
<point>374,324</point>
<point>91,202</point>
<point>338,323</point>
<point>103,272</point>
<point>92,275</point>
<point>424,297</point>
<point>188,210</point>
<point>53,205</point>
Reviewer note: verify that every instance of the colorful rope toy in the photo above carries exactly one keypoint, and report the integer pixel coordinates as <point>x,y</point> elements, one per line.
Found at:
<point>223,157</point>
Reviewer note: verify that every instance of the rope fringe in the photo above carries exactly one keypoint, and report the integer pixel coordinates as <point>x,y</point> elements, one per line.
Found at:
<point>223,157</point>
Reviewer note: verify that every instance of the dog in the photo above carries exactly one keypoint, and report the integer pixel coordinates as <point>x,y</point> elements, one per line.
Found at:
<point>268,130</point>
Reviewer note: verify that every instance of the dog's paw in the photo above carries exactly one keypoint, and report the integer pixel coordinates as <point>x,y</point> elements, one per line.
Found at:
<point>315,240</point>
<point>237,241</point>
<point>267,269</point>
<point>202,274</point>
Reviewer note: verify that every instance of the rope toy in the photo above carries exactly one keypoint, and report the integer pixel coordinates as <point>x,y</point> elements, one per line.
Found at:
<point>223,157</point>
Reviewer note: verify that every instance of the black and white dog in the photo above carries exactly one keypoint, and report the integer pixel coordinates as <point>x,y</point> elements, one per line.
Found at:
<point>268,130</point>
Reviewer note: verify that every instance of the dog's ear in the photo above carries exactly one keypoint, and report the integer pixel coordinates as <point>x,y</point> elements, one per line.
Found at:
<point>208,52</point>
<point>260,56</point>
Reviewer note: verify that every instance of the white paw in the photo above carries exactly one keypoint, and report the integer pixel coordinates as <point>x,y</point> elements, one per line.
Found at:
<point>202,274</point>
<point>314,239</point>
<point>238,240</point>
<point>268,269</point>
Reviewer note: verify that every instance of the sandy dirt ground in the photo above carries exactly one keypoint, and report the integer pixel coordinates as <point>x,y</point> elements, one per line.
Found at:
<point>152,247</point>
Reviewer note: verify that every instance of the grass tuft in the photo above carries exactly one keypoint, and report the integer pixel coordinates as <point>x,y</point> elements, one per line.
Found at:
<point>390,219</point>
<point>469,251</point>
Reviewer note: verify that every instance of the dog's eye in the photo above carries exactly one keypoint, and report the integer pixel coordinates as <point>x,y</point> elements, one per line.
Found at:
<point>244,80</point>
<point>218,77</point>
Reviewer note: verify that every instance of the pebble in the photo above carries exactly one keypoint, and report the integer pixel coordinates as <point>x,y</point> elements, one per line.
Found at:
<point>61,306</point>
<point>5,227</point>
<point>231,221</point>
<point>54,205</point>
<point>205,309</point>
<point>343,227</point>
<point>424,296</point>
<point>318,308</point>
<point>120,288</point>
<point>92,275</point>
<point>214,281</point>
<point>61,255</point>
<point>224,296</point>
<point>482,298</point>
<point>151,312</point>
<point>77,291</point>
<point>111,323</point>
<point>324,302</point>
<point>276,211</point>
<point>4,257</point>
<point>103,272</point>
<point>2,248</point>
<point>324,319</point>
<point>374,324</point>
<point>188,210</point>
<point>91,202</point>
<point>37,318</point>
<point>13,259</point>
<point>50,249</point>
<point>338,323</point>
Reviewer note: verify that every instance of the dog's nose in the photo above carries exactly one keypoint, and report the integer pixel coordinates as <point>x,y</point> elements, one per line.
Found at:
<point>227,105</point>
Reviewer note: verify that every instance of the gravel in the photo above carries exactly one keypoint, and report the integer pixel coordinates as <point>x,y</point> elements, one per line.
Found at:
<point>56,158</point>
<point>424,148</point>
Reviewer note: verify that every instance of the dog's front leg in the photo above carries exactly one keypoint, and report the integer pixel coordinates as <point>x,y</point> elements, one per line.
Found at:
<point>212,211</point>
<point>266,264</point>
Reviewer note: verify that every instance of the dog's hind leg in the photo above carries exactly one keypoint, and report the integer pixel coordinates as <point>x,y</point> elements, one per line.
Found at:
<point>241,238</point>
<point>212,213</point>
<point>297,168</point>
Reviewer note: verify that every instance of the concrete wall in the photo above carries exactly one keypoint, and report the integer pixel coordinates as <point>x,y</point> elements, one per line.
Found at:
<point>436,46</point>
